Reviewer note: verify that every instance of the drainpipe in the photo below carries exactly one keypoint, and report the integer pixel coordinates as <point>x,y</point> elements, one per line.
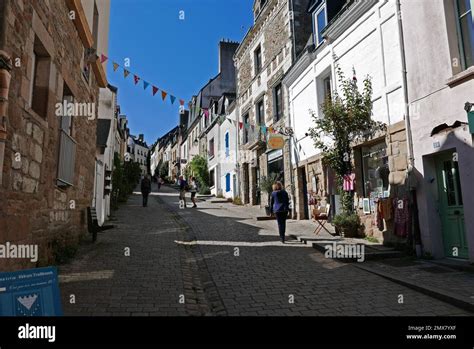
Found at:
<point>416,228</point>
<point>5,77</point>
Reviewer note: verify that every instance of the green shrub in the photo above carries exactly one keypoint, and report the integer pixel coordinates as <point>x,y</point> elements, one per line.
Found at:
<point>349,224</point>
<point>204,190</point>
<point>237,201</point>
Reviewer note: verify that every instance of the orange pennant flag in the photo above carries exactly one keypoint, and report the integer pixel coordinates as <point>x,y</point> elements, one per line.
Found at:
<point>115,66</point>
<point>163,94</point>
<point>125,73</point>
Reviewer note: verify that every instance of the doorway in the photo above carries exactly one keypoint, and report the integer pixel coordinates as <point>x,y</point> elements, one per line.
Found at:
<point>451,207</point>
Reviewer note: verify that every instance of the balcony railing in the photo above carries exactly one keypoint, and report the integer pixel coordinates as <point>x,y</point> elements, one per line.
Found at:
<point>67,159</point>
<point>255,138</point>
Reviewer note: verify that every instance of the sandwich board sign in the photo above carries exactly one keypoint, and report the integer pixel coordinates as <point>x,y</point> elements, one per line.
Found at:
<point>32,292</point>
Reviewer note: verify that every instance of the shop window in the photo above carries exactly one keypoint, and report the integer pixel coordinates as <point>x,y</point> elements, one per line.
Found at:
<point>375,171</point>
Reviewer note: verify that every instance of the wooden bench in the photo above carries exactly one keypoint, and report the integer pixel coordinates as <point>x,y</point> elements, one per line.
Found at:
<point>93,224</point>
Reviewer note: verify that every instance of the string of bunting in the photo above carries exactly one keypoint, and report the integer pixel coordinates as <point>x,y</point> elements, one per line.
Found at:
<point>172,98</point>
<point>145,83</point>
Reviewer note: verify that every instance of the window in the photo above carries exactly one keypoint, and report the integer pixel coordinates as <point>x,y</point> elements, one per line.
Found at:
<point>246,129</point>
<point>39,87</point>
<point>319,22</point>
<point>260,113</point>
<point>375,170</point>
<point>211,148</point>
<point>211,178</point>
<point>258,60</point>
<point>66,119</point>
<point>278,103</point>
<point>465,24</point>
<point>327,88</point>
<point>227,147</point>
<point>67,145</point>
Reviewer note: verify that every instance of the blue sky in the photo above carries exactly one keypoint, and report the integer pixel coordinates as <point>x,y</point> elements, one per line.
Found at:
<point>179,56</point>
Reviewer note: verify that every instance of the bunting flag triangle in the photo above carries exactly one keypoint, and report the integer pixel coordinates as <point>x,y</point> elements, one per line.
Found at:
<point>125,73</point>
<point>163,95</point>
<point>145,85</point>
<point>115,66</point>
<point>240,125</point>
<point>103,58</point>
<point>136,78</point>
<point>155,90</point>
<point>172,99</point>
<point>181,102</point>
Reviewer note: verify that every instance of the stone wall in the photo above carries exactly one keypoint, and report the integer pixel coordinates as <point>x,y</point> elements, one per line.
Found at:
<point>33,208</point>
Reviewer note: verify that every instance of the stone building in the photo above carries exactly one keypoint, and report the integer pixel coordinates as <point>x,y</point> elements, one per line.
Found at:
<point>279,33</point>
<point>47,155</point>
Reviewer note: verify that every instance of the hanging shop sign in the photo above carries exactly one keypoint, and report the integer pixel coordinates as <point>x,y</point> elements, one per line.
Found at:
<point>470,119</point>
<point>275,141</point>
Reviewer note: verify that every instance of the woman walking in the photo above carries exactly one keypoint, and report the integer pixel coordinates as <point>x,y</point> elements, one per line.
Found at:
<point>193,189</point>
<point>279,205</point>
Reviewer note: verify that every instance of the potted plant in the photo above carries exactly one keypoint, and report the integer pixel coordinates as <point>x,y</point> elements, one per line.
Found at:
<point>347,223</point>
<point>266,185</point>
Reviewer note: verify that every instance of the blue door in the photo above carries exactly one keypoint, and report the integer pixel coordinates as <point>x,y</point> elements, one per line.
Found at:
<point>227,182</point>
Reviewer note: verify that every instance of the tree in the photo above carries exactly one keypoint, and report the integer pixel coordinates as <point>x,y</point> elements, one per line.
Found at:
<point>347,120</point>
<point>199,169</point>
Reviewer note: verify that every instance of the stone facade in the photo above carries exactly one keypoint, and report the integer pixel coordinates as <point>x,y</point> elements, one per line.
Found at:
<point>272,33</point>
<point>34,208</point>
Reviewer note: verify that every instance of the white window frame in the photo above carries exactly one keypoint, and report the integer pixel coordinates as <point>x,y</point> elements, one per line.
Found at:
<point>315,23</point>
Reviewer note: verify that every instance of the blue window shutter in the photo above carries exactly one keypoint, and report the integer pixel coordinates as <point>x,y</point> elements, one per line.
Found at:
<point>227,182</point>
<point>227,144</point>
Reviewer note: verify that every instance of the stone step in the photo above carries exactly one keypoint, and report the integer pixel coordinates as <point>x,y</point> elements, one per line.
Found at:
<point>221,201</point>
<point>370,253</point>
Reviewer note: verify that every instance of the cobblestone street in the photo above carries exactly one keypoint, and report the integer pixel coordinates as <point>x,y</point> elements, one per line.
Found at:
<point>215,260</point>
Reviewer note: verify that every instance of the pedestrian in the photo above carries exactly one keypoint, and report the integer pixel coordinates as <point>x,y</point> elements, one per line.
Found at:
<point>145,189</point>
<point>183,186</point>
<point>279,206</point>
<point>193,189</point>
<point>159,183</point>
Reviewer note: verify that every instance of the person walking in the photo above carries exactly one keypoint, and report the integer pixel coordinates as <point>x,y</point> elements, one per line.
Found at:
<point>145,187</point>
<point>193,189</point>
<point>279,206</point>
<point>183,186</point>
<point>160,182</point>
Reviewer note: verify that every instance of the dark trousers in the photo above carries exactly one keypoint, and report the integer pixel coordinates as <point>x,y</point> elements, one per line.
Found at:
<point>145,199</point>
<point>281,220</point>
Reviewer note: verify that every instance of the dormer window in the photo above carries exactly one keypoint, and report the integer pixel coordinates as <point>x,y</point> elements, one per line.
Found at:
<point>320,22</point>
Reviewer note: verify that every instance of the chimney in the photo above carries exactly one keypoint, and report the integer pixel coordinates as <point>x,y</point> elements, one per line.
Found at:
<point>227,50</point>
<point>140,137</point>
